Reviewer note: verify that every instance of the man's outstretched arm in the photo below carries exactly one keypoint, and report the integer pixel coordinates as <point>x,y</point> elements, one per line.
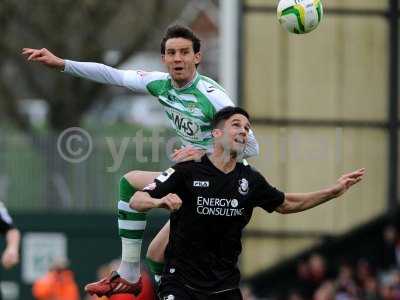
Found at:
<point>134,80</point>
<point>296,202</point>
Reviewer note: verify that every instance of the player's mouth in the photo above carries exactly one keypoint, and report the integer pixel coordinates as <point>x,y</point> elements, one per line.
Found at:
<point>240,141</point>
<point>178,69</point>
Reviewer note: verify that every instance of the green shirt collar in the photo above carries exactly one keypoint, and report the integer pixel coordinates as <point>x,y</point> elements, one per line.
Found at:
<point>193,82</point>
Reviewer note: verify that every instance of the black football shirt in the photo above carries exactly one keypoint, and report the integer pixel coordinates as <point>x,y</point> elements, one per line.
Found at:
<point>205,235</point>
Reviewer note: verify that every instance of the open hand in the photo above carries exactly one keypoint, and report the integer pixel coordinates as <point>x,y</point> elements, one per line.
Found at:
<point>44,56</point>
<point>346,181</point>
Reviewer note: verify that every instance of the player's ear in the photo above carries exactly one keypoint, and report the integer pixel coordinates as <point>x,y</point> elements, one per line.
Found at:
<point>216,133</point>
<point>197,57</point>
<point>163,58</point>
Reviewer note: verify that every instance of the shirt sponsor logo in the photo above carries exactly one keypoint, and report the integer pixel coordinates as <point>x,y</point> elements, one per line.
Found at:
<point>184,124</point>
<point>201,183</point>
<point>169,297</point>
<point>218,207</point>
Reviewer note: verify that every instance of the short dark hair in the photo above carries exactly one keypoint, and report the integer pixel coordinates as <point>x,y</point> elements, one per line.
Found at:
<point>180,31</point>
<point>227,112</point>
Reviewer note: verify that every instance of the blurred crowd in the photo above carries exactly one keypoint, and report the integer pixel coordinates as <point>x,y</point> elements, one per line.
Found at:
<point>364,279</point>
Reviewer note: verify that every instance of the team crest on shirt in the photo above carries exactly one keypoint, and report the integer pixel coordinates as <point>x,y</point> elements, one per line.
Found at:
<point>191,107</point>
<point>243,186</point>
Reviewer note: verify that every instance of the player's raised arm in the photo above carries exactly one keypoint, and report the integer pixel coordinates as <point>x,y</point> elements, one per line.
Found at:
<point>296,202</point>
<point>131,79</point>
<point>162,193</point>
<point>45,57</point>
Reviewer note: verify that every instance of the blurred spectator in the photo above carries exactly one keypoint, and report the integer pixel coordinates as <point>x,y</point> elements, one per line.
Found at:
<point>390,248</point>
<point>360,281</point>
<point>58,284</point>
<point>325,292</point>
<point>310,275</point>
<point>295,296</point>
<point>371,289</point>
<point>318,271</point>
<point>364,272</point>
<point>303,282</point>
<point>10,256</point>
<point>391,286</point>
<point>346,288</point>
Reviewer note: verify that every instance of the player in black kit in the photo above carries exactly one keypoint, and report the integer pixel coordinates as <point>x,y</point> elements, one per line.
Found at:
<point>211,202</point>
<point>10,255</point>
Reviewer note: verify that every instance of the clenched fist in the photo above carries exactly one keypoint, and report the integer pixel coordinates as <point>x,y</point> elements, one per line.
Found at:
<point>171,202</point>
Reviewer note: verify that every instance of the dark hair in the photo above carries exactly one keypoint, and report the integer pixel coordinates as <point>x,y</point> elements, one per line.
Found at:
<point>180,31</point>
<point>227,112</point>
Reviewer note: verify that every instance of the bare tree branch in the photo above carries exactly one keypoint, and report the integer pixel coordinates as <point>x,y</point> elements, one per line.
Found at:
<point>141,39</point>
<point>82,30</point>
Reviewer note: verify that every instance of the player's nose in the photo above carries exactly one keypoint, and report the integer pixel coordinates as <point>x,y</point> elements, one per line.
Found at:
<point>178,57</point>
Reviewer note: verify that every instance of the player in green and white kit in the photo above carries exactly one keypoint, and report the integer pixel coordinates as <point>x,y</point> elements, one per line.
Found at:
<point>190,101</point>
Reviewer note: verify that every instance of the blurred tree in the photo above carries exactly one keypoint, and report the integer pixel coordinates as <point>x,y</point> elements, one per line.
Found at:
<point>84,30</point>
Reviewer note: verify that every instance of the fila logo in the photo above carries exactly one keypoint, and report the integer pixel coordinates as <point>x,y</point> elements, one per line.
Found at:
<point>201,183</point>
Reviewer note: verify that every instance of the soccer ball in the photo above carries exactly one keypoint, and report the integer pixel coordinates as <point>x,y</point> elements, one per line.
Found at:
<point>299,16</point>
